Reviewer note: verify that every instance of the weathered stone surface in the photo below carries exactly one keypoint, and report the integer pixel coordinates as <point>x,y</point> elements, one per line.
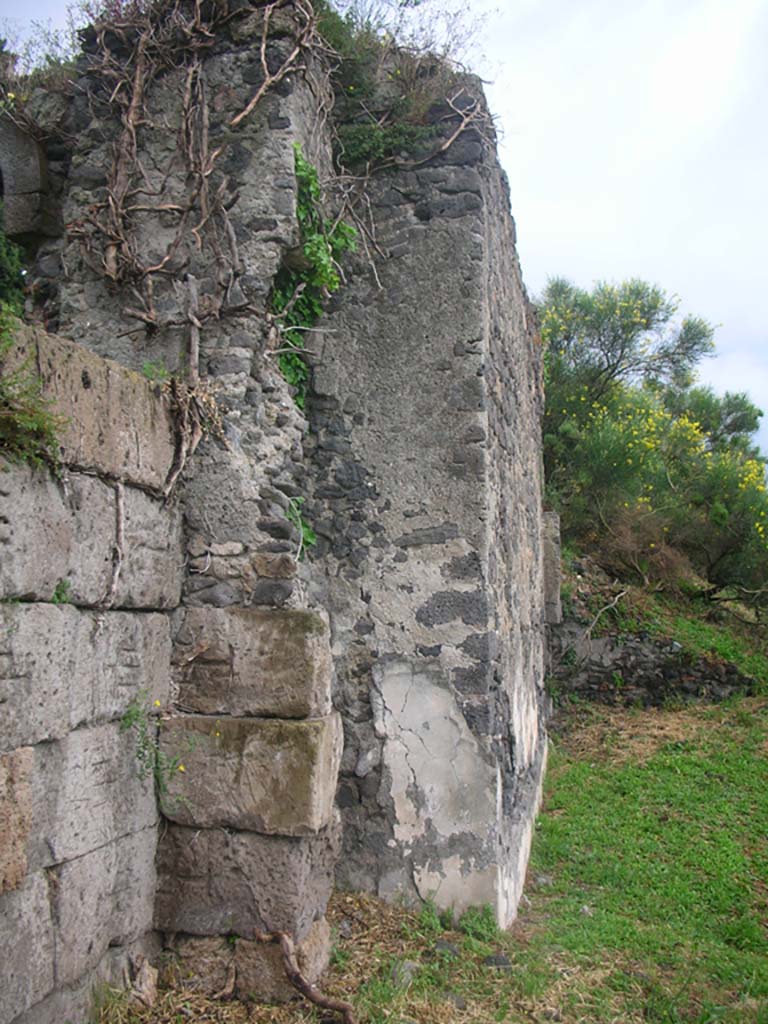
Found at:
<point>73,1004</point>
<point>86,794</point>
<point>249,661</point>
<point>273,776</point>
<point>49,533</point>
<point>55,533</point>
<point>152,568</point>
<point>24,179</point>
<point>27,944</point>
<point>61,667</point>
<point>114,420</point>
<point>103,899</point>
<point>203,964</point>
<point>426,495</point>
<point>213,882</point>
<point>260,970</point>
<point>16,816</point>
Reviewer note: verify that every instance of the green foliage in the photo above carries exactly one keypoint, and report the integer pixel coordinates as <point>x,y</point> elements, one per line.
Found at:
<point>660,477</point>
<point>11,277</point>
<point>62,592</point>
<point>479,923</point>
<point>156,371</point>
<point>368,142</point>
<point>28,429</point>
<point>152,761</point>
<point>308,535</point>
<point>398,64</point>
<point>298,294</point>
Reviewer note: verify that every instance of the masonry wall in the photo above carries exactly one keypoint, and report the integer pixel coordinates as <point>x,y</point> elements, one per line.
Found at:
<point>415,629</point>
<point>250,832</point>
<point>90,564</point>
<point>425,430</point>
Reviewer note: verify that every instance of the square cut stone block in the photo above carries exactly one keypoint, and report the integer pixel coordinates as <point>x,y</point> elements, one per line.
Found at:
<point>203,964</point>
<point>267,775</point>
<point>103,899</point>
<point>251,661</point>
<point>211,881</point>
<point>114,421</point>
<point>61,667</point>
<point>86,794</point>
<point>64,531</point>
<point>15,815</point>
<point>27,945</point>
<point>50,533</point>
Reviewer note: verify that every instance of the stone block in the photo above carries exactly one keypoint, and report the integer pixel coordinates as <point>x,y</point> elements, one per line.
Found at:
<point>27,944</point>
<point>61,667</point>
<point>211,881</point>
<point>250,661</point>
<point>50,532</point>
<point>115,422</point>
<point>16,816</point>
<point>86,794</point>
<point>152,570</point>
<point>74,1003</point>
<point>204,964</point>
<point>261,973</point>
<point>65,531</point>
<point>273,776</point>
<point>103,899</point>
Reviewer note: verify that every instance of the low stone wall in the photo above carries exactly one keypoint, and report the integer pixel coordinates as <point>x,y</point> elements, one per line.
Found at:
<point>91,561</point>
<point>638,671</point>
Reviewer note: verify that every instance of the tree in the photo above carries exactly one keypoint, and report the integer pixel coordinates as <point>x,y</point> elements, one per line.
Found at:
<point>730,421</point>
<point>626,332</point>
<point>650,472</point>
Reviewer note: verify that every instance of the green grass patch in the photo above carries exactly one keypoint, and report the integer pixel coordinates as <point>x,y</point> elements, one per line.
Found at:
<point>659,869</point>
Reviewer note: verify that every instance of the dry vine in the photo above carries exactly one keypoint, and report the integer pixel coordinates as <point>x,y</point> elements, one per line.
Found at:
<point>299,982</point>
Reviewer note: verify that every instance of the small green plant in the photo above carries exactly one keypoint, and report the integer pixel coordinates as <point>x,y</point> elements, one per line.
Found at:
<point>28,429</point>
<point>372,143</point>
<point>479,923</point>
<point>62,592</point>
<point>298,294</point>
<point>11,273</point>
<point>156,371</point>
<point>308,536</point>
<point>151,760</point>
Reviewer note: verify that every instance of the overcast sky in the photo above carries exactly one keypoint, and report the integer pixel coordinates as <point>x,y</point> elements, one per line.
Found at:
<point>635,137</point>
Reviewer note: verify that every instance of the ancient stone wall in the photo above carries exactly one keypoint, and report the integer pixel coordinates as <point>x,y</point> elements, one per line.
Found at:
<point>90,563</point>
<point>417,622</point>
<point>425,427</point>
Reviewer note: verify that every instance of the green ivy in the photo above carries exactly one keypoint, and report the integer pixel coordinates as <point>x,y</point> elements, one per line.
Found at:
<point>298,294</point>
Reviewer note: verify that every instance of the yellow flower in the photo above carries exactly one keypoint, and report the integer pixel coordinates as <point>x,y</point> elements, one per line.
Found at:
<point>181,768</point>
<point>157,703</point>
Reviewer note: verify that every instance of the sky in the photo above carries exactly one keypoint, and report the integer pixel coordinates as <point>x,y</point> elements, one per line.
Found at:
<point>635,137</point>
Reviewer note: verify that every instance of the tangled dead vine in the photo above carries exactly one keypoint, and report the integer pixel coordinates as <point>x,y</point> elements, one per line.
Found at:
<point>128,55</point>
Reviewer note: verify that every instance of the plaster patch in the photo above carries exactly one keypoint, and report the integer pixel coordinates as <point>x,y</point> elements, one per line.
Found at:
<point>440,776</point>
<point>455,887</point>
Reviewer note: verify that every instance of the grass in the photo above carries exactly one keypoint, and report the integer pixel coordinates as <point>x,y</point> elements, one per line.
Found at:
<point>647,896</point>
